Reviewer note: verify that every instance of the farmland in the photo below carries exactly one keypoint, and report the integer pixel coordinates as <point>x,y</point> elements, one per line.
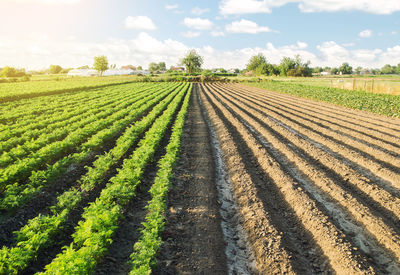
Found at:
<point>113,177</point>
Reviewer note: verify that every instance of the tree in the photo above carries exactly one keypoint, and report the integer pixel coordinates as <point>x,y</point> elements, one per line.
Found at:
<point>387,69</point>
<point>317,70</point>
<point>8,72</point>
<point>55,69</point>
<point>258,63</point>
<point>83,67</point>
<point>139,68</point>
<point>100,64</point>
<point>192,61</point>
<point>12,72</point>
<point>162,66</point>
<point>334,70</point>
<point>286,64</point>
<point>153,67</point>
<point>358,70</point>
<point>295,67</point>
<point>345,68</point>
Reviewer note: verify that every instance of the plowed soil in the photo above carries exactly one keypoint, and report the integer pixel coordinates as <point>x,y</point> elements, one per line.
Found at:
<point>317,185</point>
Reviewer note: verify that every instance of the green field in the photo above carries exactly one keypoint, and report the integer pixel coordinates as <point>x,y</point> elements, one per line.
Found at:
<point>104,133</point>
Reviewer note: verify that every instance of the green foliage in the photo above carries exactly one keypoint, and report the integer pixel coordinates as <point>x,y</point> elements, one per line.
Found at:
<point>154,67</point>
<point>100,64</point>
<point>345,68</point>
<point>294,67</point>
<point>259,65</point>
<point>12,72</point>
<point>376,103</point>
<point>146,248</point>
<point>55,69</point>
<point>100,219</point>
<point>94,232</point>
<point>388,69</point>
<point>192,61</point>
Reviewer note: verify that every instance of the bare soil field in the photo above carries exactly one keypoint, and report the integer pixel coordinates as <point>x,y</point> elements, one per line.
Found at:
<point>316,186</point>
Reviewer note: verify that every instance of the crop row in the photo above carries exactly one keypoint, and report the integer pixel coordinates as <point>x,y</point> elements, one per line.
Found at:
<point>38,233</point>
<point>17,91</point>
<point>15,195</point>
<point>21,169</point>
<point>63,129</point>
<point>94,233</point>
<point>17,112</point>
<point>145,249</point>
<point>376,103</point>
<point>34,120</point>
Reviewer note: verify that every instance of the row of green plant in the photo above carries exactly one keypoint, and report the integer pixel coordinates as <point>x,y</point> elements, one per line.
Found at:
<point>22,168</point>
<point>19,111</point>
<point>21,90</point>
<point>42,128</point>
<point>145,249</point>
<point>16,195</point>
<point>42,132</point>
<point>100,220</point>
<point>39,231</point>
<point>29,148</point>
<point>24,112</point>
<point>383,104</point>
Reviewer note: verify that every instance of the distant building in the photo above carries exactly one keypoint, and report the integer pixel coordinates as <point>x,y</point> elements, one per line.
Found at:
<point>118,72</point>
<point>129,67</point>
<point>82,72</point>
<point>177,69</point>
<point>325,73</point>
<point>142,72</point>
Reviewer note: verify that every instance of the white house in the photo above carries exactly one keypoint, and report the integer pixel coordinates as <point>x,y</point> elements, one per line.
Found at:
<point>82,72</point>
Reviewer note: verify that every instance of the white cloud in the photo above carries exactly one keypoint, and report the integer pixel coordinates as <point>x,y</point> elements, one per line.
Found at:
<point>394,32</point>
<point>246,26</point>
<point>199,11</point>
<point>365,34</point>
<point>302,45</point>
<point>50,2</point>
<point>244,7</point>
<point>139,23</point>
<point>265,6</point>
<point>198,23</point>
<point>40,50</point>
<point>171,7</point>
<point>217,33</point>
<point>351,44</point>
<point>190,34</point>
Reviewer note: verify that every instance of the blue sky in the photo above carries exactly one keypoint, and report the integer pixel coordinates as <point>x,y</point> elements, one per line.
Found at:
<point>37,33</point>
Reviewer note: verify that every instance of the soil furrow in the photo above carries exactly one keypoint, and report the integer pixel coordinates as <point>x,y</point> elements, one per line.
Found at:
<point>389,145</point>
<point>342,256</point>
<point>330,159</point>
<point>374,120</point>
<point>384,156</point>
<point>306,255</point>
<point>326,175</point>
<point>265,239</point>
<point>192,216</point>
<point>346,147</point>
<point>336,113</point>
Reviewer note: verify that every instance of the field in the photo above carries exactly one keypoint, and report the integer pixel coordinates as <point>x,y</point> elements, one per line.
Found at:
<point>389,84</point>
<point>111,177</point>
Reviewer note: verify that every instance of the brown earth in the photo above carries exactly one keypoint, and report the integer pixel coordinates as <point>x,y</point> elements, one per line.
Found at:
<point>317,184</point>
<point>193,240</point>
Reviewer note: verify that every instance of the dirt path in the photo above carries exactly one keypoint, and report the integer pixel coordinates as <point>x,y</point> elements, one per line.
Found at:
<point>193,238</point>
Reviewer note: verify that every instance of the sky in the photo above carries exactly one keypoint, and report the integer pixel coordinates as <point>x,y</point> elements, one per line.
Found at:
<point>226,33</point>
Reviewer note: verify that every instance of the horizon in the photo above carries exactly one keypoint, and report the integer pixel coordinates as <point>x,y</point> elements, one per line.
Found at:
<point>226,33</point>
